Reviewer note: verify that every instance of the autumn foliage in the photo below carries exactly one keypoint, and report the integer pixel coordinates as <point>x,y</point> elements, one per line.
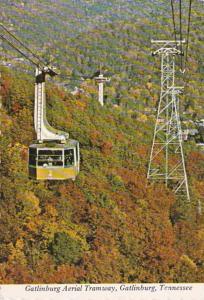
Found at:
<point>110,225</point>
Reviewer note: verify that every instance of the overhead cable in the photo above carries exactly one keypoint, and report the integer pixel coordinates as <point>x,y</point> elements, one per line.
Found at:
<point>188,31</point>
<point>173,19</point>
<point>22,44</point>
<point>181,33</point>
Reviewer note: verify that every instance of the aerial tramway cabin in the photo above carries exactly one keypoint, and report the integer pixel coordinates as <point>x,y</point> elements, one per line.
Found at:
<point>54,162</point>
<point>53,156</point>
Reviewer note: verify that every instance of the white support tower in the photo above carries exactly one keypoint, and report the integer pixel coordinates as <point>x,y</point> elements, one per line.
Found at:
<point>167,161</point>
<point>101,80</point>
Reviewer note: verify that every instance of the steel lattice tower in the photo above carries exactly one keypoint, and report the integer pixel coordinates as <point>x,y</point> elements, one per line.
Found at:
<point>167,161</point>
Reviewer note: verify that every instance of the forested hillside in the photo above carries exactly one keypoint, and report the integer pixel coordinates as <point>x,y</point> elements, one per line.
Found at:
<point>110,225</point>
<point>78,36</point>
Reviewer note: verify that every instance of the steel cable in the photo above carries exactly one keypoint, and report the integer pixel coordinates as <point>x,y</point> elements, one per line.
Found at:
<point>18,50</point>
<point>188,31</point>
<point>173,19</point>
<point>23,45</point>
<point>181,34</point>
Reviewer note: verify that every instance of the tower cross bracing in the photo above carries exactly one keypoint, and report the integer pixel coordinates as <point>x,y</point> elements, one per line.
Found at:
<point>167,161</point>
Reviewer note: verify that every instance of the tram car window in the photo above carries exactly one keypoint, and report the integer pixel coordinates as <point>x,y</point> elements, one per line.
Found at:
<point>50,158</point>
<point>69,157</point>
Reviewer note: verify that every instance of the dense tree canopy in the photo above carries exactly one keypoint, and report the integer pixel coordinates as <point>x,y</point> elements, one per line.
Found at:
<point>110,225</point>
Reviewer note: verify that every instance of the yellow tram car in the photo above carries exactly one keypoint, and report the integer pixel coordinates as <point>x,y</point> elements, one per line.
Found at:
<point>56,162</point>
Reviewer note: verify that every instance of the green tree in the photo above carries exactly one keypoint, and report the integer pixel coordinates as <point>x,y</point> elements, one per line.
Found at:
<point>65,249</point>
